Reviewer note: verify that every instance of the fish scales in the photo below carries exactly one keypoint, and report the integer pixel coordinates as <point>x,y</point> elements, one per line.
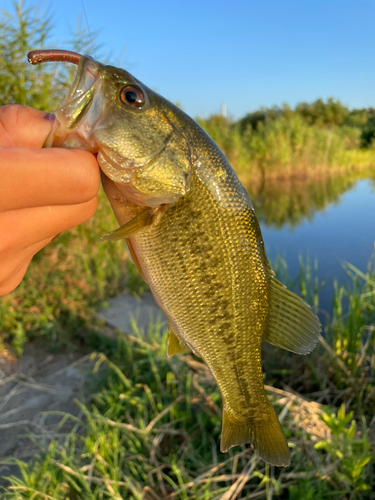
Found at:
<point>205,263</point>
<point>205,270</point>
<point>193,234</point>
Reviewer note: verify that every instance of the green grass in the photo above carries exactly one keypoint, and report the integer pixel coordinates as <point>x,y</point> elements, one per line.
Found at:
<point>152,431</point>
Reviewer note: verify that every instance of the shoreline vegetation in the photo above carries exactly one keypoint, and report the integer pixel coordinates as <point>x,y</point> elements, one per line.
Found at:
<point>311,141</point>
<point>296,161</point>
<point>150,429</point>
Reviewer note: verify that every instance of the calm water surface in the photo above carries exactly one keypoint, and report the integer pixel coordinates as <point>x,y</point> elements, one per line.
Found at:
<point>342,231</point>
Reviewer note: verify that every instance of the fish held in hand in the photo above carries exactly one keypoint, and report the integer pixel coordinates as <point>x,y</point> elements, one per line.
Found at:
<point>192,233</point>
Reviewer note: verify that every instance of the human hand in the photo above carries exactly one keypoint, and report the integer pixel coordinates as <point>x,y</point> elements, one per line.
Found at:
<point>42,191</point>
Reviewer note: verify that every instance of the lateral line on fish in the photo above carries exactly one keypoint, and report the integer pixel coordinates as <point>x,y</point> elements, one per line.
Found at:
<point>232,278</point>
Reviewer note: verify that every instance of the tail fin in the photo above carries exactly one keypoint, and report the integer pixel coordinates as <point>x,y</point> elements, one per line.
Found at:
<point>266,437</point>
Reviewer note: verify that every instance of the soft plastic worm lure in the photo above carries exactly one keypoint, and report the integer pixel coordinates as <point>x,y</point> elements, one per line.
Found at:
<point>40,56</point>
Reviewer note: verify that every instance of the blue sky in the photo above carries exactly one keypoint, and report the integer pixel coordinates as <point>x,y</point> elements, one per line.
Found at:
<point>246,54</point>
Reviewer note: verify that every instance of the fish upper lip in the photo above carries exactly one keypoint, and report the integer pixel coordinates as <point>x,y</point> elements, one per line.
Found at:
<point>82,71</point>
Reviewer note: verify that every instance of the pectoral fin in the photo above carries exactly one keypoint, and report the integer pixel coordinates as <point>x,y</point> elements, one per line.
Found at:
<point>292,324</point>
<point>139,222</point>
<point>175,344</point>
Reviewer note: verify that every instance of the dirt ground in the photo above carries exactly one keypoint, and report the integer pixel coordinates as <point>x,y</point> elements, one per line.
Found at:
<point>40,383</point>
<point>31,389</point>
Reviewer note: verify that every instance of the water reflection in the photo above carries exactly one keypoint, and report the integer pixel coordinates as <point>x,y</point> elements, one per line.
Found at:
<point>332,221</point>
<point>290,202</point>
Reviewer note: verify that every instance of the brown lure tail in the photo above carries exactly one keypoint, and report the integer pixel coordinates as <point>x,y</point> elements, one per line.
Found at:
<point>53,55</point>
<point>266,437</point>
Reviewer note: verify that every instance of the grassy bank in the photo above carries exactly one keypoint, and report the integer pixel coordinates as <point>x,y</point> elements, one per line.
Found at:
<point>287,146</point>
<point>152,430</point>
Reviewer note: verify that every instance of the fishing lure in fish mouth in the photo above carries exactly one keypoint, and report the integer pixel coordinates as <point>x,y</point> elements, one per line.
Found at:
<point>193,234</point>
<point>40,56</point>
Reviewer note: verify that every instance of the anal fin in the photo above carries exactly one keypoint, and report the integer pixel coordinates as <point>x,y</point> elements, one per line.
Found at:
<point>175,344</point>
<point>292,324</point>
<point>266,436</point>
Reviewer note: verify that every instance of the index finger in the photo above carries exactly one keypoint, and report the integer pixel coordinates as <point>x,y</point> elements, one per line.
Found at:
<point>31,176</point>
<point>34,178</point>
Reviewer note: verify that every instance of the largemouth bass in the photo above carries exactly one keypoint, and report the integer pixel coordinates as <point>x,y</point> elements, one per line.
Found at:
<point>192,232</point>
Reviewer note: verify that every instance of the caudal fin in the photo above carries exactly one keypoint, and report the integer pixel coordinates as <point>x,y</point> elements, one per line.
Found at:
<point>266,437</point>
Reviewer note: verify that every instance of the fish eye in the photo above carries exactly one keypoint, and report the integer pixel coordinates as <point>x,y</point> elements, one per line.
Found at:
<point>132,96</point>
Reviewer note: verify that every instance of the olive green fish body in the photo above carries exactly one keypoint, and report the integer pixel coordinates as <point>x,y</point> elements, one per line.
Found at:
<point>193,234</point>
<point>204,261</point>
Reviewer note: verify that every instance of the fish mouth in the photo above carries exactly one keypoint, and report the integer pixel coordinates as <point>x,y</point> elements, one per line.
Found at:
<point>81,114</point>
<point>81,110</point>
<point>78,101</point>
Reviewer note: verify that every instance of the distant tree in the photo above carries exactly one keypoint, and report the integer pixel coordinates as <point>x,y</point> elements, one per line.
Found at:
<point>253,120</point>
<point>364,120</point>
<point>322,113</point>
<point>358,117</point>
<point>259,118</point>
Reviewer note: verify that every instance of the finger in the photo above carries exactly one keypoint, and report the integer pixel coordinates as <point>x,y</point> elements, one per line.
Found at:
<point>43,177</point>
<point>9,283</point>
<point>12,275</point>
<point>24,127</point>
<point>26,227</point>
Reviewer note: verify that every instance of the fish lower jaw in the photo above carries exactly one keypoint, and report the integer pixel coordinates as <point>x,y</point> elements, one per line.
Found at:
<point>122,174</point>
<point>126,174</point>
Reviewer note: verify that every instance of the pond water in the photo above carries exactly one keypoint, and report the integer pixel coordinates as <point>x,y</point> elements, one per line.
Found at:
<point>341,228</point>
